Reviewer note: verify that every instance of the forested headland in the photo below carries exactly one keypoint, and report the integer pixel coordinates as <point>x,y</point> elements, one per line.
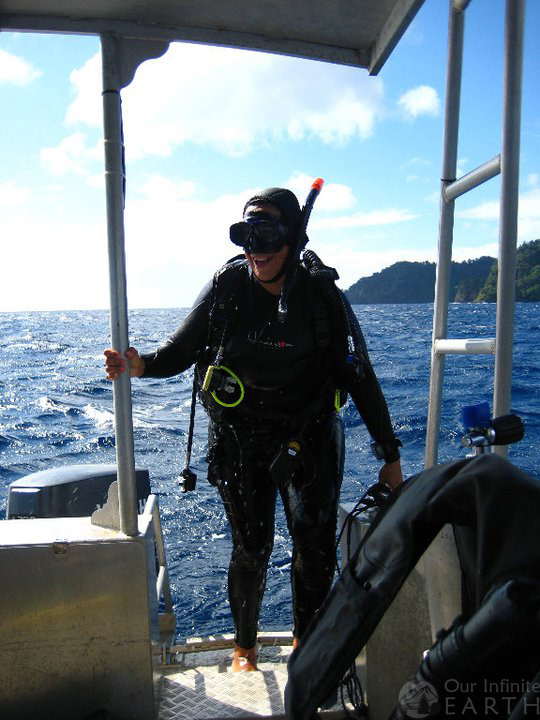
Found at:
<point>470,281</point>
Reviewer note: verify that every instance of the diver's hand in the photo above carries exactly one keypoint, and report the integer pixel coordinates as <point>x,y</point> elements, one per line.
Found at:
<point>115,364</point>
<point>390,474</point>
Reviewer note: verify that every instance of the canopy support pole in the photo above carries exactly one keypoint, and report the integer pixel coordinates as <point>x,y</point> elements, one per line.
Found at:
<point>114,188</point>
<point>121,56</point>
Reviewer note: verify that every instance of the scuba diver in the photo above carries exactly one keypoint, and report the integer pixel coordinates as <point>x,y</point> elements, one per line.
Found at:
<point>276,349</point>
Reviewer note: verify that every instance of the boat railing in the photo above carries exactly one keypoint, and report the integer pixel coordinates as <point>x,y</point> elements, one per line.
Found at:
<point>507,165</point>
<point>166,616</point>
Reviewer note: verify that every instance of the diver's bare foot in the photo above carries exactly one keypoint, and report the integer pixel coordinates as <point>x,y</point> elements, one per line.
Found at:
<point>244,659</point>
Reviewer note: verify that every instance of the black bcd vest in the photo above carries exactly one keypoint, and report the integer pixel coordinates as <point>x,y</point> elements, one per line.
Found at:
<point>330,309</point>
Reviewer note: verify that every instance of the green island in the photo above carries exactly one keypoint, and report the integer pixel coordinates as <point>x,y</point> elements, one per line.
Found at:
<point>470,281</point>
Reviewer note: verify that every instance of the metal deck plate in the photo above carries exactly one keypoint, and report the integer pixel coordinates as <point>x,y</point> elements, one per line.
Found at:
<point>203,687</point>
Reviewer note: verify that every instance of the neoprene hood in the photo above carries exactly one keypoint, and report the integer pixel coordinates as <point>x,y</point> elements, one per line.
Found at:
<point>285,201</point>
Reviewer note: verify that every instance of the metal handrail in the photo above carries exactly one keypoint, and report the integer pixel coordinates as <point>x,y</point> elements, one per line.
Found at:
<point>507,163</point>
<point>465,346</point>
<point>162,584</point>
<point>471,180</point>
<point>151,512</point>
<point>446,226</point>
<point>511,137</point>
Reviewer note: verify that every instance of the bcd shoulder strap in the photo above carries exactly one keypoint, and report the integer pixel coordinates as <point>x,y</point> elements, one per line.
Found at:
<point>224,300</point>
<point>335,308</point>
<point>329,306</point>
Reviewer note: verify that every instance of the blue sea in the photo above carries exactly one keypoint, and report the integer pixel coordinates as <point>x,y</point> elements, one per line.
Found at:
<point>56,409</point>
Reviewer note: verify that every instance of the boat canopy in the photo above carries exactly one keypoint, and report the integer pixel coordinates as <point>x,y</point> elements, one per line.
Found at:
<point>361,33</point>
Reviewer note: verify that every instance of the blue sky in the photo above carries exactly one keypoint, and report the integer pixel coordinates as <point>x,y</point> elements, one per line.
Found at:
<point>207,127</point>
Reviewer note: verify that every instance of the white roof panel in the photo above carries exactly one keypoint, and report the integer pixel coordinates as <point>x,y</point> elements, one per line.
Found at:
<point>351,32</point>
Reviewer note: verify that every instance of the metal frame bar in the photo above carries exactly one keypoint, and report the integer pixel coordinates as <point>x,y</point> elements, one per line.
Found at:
<point>466,346</point>
<point>114,188</point>
<point>446,226</point>
<point>507,163</point>
<point>162,583</point>
<point>354,57</point>
<point>400,18</point>
<point>226,640</point>
<point>461,5</point>
<point>372,55</point>
<point>473,179</point>
<point>513,73</point>
<point>151,514</point>
<point>120,59</point>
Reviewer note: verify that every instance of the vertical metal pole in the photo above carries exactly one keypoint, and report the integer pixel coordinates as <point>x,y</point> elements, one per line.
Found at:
<point>513,71</point>
<point>446,226</point>
<point>114,186</point>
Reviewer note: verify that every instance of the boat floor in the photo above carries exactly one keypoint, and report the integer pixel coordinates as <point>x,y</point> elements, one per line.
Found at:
<point>199,685</point>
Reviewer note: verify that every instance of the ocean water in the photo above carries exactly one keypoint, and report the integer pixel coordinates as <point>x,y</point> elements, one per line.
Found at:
<point>56,409</point>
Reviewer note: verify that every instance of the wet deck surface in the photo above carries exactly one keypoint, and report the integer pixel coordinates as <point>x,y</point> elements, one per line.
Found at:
<point>201,686</point>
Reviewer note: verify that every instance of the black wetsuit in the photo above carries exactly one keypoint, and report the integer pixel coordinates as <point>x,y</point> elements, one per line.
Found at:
<point>290,384</point>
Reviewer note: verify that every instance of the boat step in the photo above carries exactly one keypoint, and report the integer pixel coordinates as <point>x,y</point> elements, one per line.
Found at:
<point>201,686</point>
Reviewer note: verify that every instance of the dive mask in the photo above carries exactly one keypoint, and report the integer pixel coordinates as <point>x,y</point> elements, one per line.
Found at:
<point>259,232</point>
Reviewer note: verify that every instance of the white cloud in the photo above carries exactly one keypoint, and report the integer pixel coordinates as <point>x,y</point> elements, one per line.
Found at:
<point>417,170</point>
<point>417,162</point>
<point>528,207</point>
<point>52,253</point>
<point>413,35</point>
<point>485,211</point>
<point>232,100</point>
<point>15,70</point>
<point>354,263</point>
<point>86,82</point>
<point>433,198</point>
<point>461,168</point>
<point>333,197</point>
<point>72,155</point>
<point>174,245</point>
<point>421,100</point>
<point>175,241</point>
<point>386,216</point>
<point>528,214</point>
<point>12,195</point>
<point>164,190</point>
<point>468,252</point>
<point>97,180</point>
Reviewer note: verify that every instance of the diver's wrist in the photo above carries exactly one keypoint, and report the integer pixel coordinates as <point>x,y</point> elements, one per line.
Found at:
<point>387,451</point>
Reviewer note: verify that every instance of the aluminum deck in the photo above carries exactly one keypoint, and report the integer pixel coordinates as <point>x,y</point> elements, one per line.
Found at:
<point>200,685</point>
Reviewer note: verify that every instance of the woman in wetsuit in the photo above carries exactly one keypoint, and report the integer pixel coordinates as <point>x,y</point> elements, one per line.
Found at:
<point>285,435</point>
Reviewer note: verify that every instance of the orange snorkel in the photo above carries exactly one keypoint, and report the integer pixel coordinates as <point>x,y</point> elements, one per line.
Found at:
<point>316,188</point>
